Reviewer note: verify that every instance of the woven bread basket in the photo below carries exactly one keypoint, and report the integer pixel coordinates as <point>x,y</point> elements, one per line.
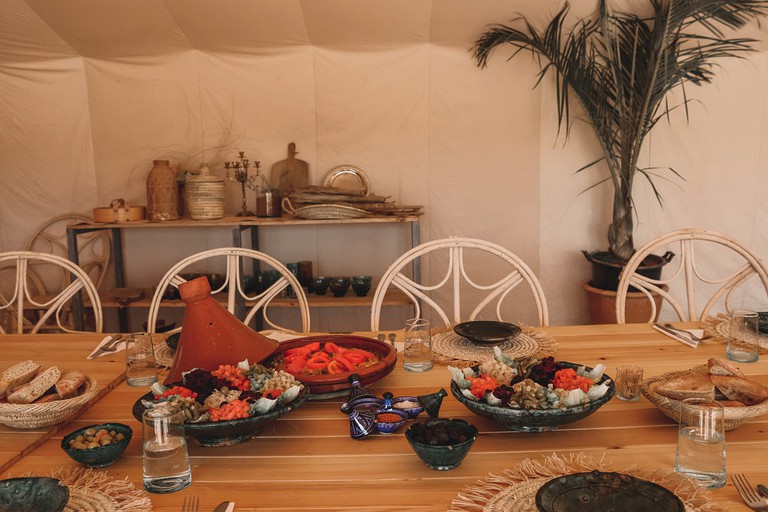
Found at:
<point>28,416</point>
<point>734,416</point>
<point>324,211</point>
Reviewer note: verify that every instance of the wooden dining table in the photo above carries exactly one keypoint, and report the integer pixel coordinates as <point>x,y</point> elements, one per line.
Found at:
<point>306,460</point>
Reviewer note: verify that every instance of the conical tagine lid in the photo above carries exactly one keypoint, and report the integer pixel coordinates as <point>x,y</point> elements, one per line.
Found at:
<point>212,336</point>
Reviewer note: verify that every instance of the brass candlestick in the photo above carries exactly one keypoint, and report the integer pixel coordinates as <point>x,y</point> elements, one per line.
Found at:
<point>237,170</point>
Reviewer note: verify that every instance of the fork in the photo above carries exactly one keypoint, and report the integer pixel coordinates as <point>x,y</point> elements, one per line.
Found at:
<point>192,506</point>
<point>748,493</point>
<point>111,346</point>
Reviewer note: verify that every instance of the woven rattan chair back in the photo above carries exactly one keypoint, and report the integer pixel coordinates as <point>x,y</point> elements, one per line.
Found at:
<point>27,309</point>
<point>514,272</point>
<point>234,262</point>
<point>734,265</point>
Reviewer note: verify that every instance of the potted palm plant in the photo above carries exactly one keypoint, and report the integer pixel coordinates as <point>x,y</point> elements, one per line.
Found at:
<point>620,67</point>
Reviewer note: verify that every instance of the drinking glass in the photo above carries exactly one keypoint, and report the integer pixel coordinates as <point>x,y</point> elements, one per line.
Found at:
<point>743,337</point>
<point>417,353</point>
<point>701,442</point>
<point>165,461</point>
<point>629,380</point>
<point>140,368</point>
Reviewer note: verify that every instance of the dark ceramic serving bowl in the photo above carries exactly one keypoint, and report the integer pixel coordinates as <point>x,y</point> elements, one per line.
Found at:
<point>442,457</point>
<point>229,432</point>
<point>535,420</point>
<point>104,455</point>
<point>33,494</point>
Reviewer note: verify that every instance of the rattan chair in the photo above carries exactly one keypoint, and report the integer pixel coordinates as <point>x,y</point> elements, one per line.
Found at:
<point>730,263</point>
<point>28,309</point>
<point>234,259</point>
<point>456,250</point>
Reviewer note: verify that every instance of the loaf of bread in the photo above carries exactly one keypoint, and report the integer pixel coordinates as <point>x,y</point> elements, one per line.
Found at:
<point>29,392</point>
<point>692,385</point>
<point>16,375</point>
<point>69,383</point>
<point>740,389</point>
<point>718,366</point>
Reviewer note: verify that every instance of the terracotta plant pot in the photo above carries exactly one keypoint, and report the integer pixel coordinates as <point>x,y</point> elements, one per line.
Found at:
<point>602,306</point>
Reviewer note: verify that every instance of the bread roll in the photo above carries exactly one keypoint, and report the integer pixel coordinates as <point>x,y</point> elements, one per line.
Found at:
<point>69,383</point>
<point>29,392</point>
<point>692,385</point>
<point>718,366</point>
<point>16,375</point>
<point>740,389</point>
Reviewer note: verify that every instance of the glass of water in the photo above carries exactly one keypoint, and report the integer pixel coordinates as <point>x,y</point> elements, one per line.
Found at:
<point>701,442</point>
<point>165,461</point>
<point>418,345</point>
<point>140,367</point>
<point>743,338</point>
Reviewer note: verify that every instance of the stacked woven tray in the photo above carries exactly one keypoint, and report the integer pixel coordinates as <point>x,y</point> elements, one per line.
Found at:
<point>336,203</point>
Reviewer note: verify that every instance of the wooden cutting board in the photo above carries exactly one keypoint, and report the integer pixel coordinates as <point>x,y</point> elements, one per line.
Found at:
<point>291,173</point>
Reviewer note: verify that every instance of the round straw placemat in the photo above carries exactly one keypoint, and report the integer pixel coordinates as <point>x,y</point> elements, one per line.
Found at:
<point>514,490</point>
<point>719,326</point>
<point>451,348</point>
<point>163,353</point>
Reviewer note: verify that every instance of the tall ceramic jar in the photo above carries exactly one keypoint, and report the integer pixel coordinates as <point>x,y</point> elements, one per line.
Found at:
<point>162,192</point>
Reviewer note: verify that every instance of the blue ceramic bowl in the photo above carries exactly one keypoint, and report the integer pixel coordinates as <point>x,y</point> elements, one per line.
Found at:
<point>412,412</point>
<point>339,286</point>
<point>33,494</point>
<point>446,456</point>
<point>104,455</point>
<point>389,427</point>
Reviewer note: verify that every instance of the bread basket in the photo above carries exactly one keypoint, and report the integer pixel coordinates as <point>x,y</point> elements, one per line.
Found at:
<point>734,416</point>
<point>27,416</point>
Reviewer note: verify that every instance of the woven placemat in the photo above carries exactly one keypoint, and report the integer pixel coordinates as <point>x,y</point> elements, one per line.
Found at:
<point>163,353</point>
<point>514,490</point>
<point>451,348</point>
<point>719,326</point>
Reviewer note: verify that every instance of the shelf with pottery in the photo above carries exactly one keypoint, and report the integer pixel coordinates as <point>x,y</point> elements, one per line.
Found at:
<point>394,297</point>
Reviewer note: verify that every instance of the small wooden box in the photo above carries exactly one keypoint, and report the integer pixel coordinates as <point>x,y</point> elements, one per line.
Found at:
<point>126,214</point>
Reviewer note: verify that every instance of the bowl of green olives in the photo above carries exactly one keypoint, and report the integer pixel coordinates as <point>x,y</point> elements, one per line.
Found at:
<point>97,446</point>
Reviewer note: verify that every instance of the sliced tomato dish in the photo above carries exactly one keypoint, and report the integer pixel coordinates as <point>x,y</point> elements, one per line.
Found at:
<point>324,359</point>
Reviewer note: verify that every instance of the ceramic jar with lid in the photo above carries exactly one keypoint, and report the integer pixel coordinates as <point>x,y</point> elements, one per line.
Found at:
<point>205,195</point>
<point>162,192</point>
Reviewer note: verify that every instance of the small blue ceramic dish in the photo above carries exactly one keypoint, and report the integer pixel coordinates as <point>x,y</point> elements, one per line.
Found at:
<point>406,404</point>
<point>367,402</point>
<point>102,456</point>
<point>389,427</point>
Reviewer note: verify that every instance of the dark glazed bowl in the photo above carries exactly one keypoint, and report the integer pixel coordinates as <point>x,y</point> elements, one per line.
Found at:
<point>442,457</point>
<point>535,420</point>
<point>339,286</point>
<point>103,456</point>
<point>33,494</point>
<point>229,432</point>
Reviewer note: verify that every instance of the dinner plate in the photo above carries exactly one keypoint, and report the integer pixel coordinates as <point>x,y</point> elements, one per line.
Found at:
<point>605,492</point>
<point>350,178</point>
<point>487,332</point>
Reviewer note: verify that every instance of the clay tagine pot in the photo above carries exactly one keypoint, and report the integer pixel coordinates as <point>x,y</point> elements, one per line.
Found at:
<point>212,336</point>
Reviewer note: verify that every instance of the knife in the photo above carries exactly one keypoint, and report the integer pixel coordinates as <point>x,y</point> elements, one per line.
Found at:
<point>109,346</point>
<point>225,506</point>
<point>678,336</point>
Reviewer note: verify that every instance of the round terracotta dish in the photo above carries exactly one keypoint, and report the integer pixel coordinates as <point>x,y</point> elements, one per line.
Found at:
<point>338,383</point>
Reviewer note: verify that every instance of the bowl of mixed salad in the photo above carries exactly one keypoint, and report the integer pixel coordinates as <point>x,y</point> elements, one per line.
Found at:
<point>533,394</point>
<point>229,405</point>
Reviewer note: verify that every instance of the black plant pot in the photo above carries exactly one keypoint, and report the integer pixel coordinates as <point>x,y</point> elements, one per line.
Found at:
<point>606,268</point>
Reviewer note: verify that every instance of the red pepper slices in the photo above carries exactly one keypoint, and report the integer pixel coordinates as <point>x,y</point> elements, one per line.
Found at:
<point>328,358</point>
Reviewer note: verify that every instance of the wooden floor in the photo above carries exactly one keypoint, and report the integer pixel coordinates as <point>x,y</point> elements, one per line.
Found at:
<point>307,461</point>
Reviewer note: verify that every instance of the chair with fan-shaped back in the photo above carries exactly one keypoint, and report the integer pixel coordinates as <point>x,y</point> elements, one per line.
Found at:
<point>709,264</point>
<point>233,260</point>
<point>508,271</point>
<point>20,293</point>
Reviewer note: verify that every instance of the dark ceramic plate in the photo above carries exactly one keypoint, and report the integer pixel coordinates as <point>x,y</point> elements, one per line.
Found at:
<point>230,432</point>
<point>33,494</point>
<point>762,322</point>
<point>605,492</point>
<point>487,332</point>
<point>535,420</point>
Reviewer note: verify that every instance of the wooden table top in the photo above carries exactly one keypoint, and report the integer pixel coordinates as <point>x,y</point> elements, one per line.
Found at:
<point>307,461</point>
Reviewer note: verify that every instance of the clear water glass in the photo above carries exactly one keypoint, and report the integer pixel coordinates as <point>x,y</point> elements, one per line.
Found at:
<point>417,354</point>
<point>165,461</point>
<point>140,366</point>
<point>701,442</point>
<point>743,337</point>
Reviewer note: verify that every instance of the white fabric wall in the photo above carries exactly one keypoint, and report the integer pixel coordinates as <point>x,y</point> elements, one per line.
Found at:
<point>92,91</point>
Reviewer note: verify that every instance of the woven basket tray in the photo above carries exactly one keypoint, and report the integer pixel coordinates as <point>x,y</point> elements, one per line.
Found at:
<point>324,211</point>
<point>46,414</point>
<point>734,416</point>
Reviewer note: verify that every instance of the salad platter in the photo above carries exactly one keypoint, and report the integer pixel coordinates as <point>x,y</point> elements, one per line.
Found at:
<point>229,405</point>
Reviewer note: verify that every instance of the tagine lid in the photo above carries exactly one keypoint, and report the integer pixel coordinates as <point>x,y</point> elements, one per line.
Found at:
<point>212,336</point>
